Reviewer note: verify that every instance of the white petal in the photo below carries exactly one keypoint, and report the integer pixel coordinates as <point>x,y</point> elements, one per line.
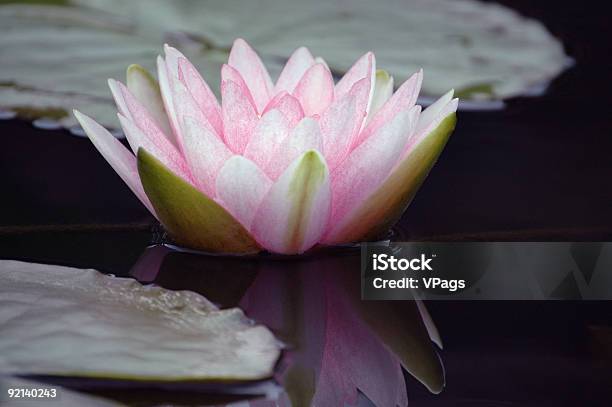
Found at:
<point>369,164</point>
<point>239,116</point>
<point>365,67</point>
<point>241,186</point>
<point>425,125</point>
<point>160,147</point>
<point>186,106</point>
<point>122,161</point>
<point>433,111</point>
<point>165,87</point>
<point>383,90</point>
<point>404,98</point>
<point>288,105</point>
<point>271,130</point>
<point>146,90</point>
<point>204,153</point>
<point>172,60</point>
<point>315,90</point>
<point>306,135</point>
<point>299,62</point>
<point>341,122</point>
<point>294,214</point>
<point>255,75</point>
<point>201,93</point>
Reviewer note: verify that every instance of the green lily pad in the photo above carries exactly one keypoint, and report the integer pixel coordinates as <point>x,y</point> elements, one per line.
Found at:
<point>384,208</point>
<point>61,321</point>
<point>191,218</point>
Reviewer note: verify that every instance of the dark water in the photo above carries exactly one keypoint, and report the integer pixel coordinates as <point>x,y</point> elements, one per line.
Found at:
<point>503,353</point>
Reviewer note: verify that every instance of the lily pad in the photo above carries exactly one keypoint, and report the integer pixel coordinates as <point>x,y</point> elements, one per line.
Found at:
<point>60,321</point>
<point>61,55</point>
<point>460,44</point>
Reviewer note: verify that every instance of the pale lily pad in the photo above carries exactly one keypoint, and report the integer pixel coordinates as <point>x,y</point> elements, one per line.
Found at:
<point>62,321</point>
<point>190,217</point>
<point>462,44</point>
<point>61,56</point>
<point>58,58</point>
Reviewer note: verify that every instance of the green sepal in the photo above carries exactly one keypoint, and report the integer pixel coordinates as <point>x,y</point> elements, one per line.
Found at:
<point>191,218</point>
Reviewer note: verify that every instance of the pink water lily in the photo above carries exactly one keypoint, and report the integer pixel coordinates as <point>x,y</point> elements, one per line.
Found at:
<point>277,166</point>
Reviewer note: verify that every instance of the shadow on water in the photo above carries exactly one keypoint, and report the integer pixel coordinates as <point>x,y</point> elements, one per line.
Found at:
<point>505,352</point>
<point>334,342</point>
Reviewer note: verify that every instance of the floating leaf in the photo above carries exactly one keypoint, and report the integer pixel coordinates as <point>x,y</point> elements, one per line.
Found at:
<point>62,321</point>
<point>60,58</point>
<point>458,43</point>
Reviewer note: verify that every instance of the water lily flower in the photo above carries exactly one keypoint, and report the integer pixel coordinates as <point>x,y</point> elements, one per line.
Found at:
<point>274,166</point>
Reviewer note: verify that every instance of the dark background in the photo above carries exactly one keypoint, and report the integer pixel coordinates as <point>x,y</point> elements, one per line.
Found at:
<point>539,170</point>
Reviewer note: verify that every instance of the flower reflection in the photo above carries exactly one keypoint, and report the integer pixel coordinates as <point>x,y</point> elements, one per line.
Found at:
<point>336,344</point>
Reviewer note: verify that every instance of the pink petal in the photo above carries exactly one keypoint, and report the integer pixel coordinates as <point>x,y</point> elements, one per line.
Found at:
<point>165,87</point>
<point>146,90</point>
<point>247,62</point>
<point>156,144</point>
<point>430,119</point>
<point>119,157</point>
<point>368,165</point>
<point>204,153</point>
<point>340,123</point>
<point>171,87</point>
<point>320,60</point>
<point>133,110</point>
<point>383,90</point>
<point>201,93</point>
<point>305,136</point>
<point>228,73</point>
<point>434,111</point>
<point>186,106</point>
<point>315,90</point>
<point>172,60</point>
<point>403,99</point>
<point>270,132</point>
<point>365,67</point>
<point>168,73</point>
<point>241,186</point>
<point>294,213</point>
<point>239,116</point>
<point>289,106</point>
<point>299,62</point>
